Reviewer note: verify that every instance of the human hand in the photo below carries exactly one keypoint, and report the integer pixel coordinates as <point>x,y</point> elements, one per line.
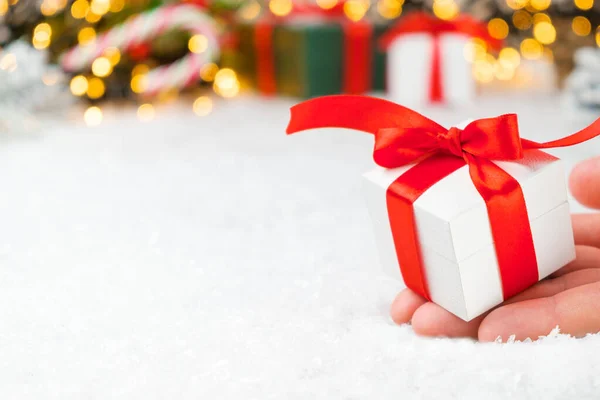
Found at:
<point>569,298</point>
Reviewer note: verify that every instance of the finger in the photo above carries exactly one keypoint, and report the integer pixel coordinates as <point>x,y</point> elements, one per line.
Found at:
<point>551,287</point>
<point>586,258</point>
<point>586,229</point>
<point>432,320</point>
<point>576,311</point>
<point>585,182</point>
<point>404,306</point>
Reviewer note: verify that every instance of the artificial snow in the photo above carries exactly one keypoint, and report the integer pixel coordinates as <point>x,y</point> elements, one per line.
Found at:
<point>216,258</point>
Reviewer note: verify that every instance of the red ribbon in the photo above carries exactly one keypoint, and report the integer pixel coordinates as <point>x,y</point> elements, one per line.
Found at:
<point>357,62</point>
<point>421,22</point>
<point>403,136</point>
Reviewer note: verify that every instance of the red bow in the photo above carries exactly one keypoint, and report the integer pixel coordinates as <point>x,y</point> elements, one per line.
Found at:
<point>403,136</point>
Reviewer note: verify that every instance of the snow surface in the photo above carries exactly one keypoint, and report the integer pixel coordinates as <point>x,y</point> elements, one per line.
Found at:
<point>216,258</point>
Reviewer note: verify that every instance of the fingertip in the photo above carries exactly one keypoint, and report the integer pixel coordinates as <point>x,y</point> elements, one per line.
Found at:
<point>404,306</point>
<point>583,182</point>
<point>432,320</point>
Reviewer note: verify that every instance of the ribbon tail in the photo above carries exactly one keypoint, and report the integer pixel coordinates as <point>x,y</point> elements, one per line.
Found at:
<point>509,223</point>
<point>590,132</point>
<point>362,113</point>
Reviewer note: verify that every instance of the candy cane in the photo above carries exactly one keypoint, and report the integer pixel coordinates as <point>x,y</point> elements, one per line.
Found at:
<point>145,27</point>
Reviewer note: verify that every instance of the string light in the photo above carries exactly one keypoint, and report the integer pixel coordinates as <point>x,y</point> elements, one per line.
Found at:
<point>517,4</point>
<point>544,32</point>
<point>226,83</point>
<point>445,9</point>
<point>41,36</point>
<point>95,88</point>
<point>250,11</point>
<point>598,36</point>
<point>281,8</point>
<point>522,20</point>
<point>93,116</point>
<point>79,9</point>
<point>113,54</point>
<point>541,17</point>
<point>510,55</point>
<point>79,85</point>
<point>86,35</point>
<point>208,72</point>
<point>531,49</point>
<point>100,7</point>
<point>138,83</point>
<point>355,10</point>
<point>584,4</point>
<point>140,69</point>
<point>145,112</point>
<point>581,26</point>
<point>390,9</point>
<point>202,106</point>
<point>102,67</point>
<point>198,44</point>
<point>117,5</point>
<point>47,8</point>
<point>540,5</point>
<point>498,28</point>
<point>327,4</point>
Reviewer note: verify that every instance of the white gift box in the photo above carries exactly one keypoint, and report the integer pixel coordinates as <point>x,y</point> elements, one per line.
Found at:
<point>456,245</point>
<point>409,69</point>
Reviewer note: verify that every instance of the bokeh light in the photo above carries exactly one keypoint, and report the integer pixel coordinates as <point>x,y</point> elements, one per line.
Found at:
<point>522,20</point>
<point>79,9</point>
<point>79,85</point>
<point>86,35</point>
<point>540,5</point>
<point>584,4</point>
<point>226,83</point>
<point>517,4</point>
<point>544,32</point>
<point>445,9</point>
<point>390,9</point>
<point>281,8</point>
<point>102,67</point>
<point>93,116</point>
<point>113,54</point>
<point>581,26</point>
<point>145,112</point>
<point>327,4</point>
<point>96,88</point>
<point>198,43</point>
<point>208,72</point>
<point>511,55</point>
<point>355,10</point>
<point>41,36</point>
<point>498,28</point>
<point>202,106</point>
<point>531,49</point>
<point>138,83</point>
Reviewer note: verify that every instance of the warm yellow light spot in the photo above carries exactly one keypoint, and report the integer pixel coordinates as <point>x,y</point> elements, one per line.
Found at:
<point>138,83</point>
<point>93,116</point>
<point>101,67</point>
<point>280,8</point>
<point>544,32</point>
<point>13,2</point>
<point>522,20</point>
<point>355,10</point>
<point>95,88</point>
<point>113,54</point>
<point>584,4</point>
<point>504,70</point>
<point>598,36</point>
<point>3,7</point>
<point>79,85</point>
<point>483,71</point>
<point>41,40</point>
<point>145,112</point>
<point>203,105</point>
<point>510,55</point>
<point>8,62</point>
<point>92,18</point>
<point>389,9</point>
<point>50,78</point>
<point>208,72</point>
<point>548,54</point>
<point>250,11</point>
<point>541,17</point>
<point>581,26</point>
<point>140,69</point>
<point>79,9</point>
<point>168,96</point>
<point>517,4</point>
<point>86,35</point>
<point>327,4</point>
<point>445,9</point>
<point>498,28</point>
<point>475,50</point>
<point>226,83</point>
<point>540,5</point>
<point>100,7</point>
<point>116,5</point>
<point>531,49</point>
<point>47,8</point>
<point>198,43</point>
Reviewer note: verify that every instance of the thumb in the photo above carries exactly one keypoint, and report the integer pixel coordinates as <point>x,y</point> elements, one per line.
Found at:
<point>585,182</point>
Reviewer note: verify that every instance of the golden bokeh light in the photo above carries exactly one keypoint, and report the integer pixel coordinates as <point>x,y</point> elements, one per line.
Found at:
<point>208,72</point>
<point>100,7</point>
<point>145,112</point>
<point>540,5</point>
<point>86,35</point>
<point>140,69</point>
<point>522,20</point>
<point>390,9</point>
<point>281,8</point>
<point>202,106</point>
<point>598,36</point>
<point>517,4</point>
<point>327,4</point>
<point>47,8</point>
<point>445,9</point>
<point>102,67</point>
<point>531,49</point>
<point>92,17</point>
<point>581,26</point>
<point>498,28</point>
<point>198,43</point>
<point>250,11</point>
<point>355,10</point>
<point>79,85</point>
<point>138,83</point>
<point>113,54</point>
<point>93,116</point>
<point>8,62</point>
<point>50,78</point>
<point>96,88</point>
<point>79,9</point>
<point>483,71</point>
<point>503,70</point>
<point>541,17</point>
<point>226,83</point>
<point>41,36</point>
<point>3,7</point>
<point>117,5</point>
<point>475,50</point>
<point>510,55</point>
<point>584,4</point>
<point>544,32</point>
